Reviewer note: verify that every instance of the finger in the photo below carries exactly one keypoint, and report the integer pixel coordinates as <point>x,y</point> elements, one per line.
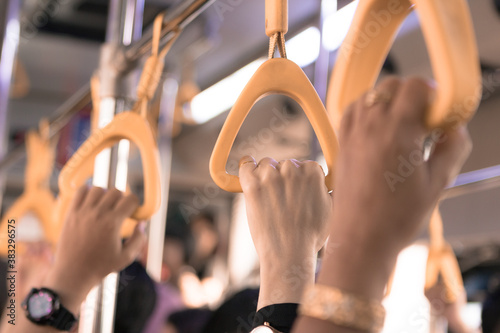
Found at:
<point>247,164</point>
<point>79,198</point>
<point>449,157</point>
<point>411,102</point>
<point>267,170</point>
<point>110,199</point>
<point>289,168</point>
<point>313,166</point>
<point>133,246</point>
<point>293,163</point>
<point>347,120</point>
<point>315,173</point>
<point>267,162</point>
<point>247,176</point>
<point>126,206</point>
<point>380,99</point>
<point>94,195</point>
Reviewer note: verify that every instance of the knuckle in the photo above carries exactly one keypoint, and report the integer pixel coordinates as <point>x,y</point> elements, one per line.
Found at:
<point>114,192</point>
<point>391,80</point>
<point>269,174</point>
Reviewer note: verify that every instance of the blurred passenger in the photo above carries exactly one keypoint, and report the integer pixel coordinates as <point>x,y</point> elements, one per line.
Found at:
<point>187,321</point>
<point>490,315</point>
<point>135,301</point>
<point>206,240</point>
<point>176,250</point>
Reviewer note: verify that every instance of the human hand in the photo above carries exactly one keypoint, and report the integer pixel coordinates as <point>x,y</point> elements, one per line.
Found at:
<point>288,209</point>
<point>384,188</point>
<point>90,246</point>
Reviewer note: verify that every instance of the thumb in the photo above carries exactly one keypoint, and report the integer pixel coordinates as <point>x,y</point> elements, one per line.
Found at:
<point>449,157</point>
<point>132,246</point>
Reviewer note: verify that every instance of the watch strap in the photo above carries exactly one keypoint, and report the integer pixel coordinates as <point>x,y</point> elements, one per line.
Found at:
<point>280,316</point>
<point>63,320</point>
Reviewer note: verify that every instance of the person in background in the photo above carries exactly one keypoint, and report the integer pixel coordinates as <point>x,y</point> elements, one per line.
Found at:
<point>135,301</point>
<point>176,250</point>
<point>187,321</point>
<point>206,240</point>
<point>490,315</point>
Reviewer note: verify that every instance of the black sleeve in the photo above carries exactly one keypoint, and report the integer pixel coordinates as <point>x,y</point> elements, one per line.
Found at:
<point>279,316</point>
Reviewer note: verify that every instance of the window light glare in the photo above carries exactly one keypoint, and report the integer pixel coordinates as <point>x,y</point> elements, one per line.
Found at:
<point>336,26</point>
<point>222,95</point>
<point>304,48</point>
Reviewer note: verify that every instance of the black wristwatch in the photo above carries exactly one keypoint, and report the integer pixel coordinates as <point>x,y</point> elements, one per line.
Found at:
<point>42,307</point>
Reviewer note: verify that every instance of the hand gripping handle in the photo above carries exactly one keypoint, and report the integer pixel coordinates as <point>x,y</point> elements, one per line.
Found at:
<point>449,34</point>
<point>275,76</point>
<point>130,126</point>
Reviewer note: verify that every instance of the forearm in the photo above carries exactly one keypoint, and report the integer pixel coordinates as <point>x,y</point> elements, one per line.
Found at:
<point>355,266</point>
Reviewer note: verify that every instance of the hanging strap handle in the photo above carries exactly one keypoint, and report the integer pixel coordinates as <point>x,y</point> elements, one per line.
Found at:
<point>276,25</point>
<point>153,68</point>
<point>442,261</point>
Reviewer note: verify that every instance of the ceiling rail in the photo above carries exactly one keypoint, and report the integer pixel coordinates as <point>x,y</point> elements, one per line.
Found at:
<point>178,17</point>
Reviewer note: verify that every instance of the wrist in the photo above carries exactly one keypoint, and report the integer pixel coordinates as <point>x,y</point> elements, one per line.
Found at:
<point>72,290</point>
<point>285,281</point>
<point>357,266</point>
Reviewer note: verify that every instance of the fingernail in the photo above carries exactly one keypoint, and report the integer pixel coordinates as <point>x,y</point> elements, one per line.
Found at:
<point>246,159</point>
<point>432,93</point>
<point>142,227</point>
<point>432,84</point>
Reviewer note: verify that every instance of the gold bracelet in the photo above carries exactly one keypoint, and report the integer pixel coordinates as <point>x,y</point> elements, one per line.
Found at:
<point>342,309</point>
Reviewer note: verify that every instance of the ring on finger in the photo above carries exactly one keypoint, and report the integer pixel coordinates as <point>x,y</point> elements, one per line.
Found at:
<point>373,97</point>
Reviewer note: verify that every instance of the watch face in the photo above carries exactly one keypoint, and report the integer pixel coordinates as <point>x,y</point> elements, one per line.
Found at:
<point>263,329</point>
<point>40,305</point>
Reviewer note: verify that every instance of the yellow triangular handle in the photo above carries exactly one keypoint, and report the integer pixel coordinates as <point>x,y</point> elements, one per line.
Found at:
<point>41,203</point>
<point>37,197</point>
<point>442,261</point>
<point>129,126</point>
<point>275,76</point>
<point>40,161</point>
<point>449,34</point>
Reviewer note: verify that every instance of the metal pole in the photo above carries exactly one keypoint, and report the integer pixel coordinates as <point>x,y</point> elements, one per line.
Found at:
<point>111,165</point>
<point>9,41</point>
<point>474,181</point>
<point>181,16</point>
<point>158,221</point>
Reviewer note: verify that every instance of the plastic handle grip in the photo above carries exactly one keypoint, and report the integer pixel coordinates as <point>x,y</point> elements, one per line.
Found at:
<point>37,197</point>
<point>449,35</point>
<point>41,203</point>
<point>40,161</point>
<point>275,76</point>
<point>130,126</point>
<point>442,261</point>
<point>276,16</point>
